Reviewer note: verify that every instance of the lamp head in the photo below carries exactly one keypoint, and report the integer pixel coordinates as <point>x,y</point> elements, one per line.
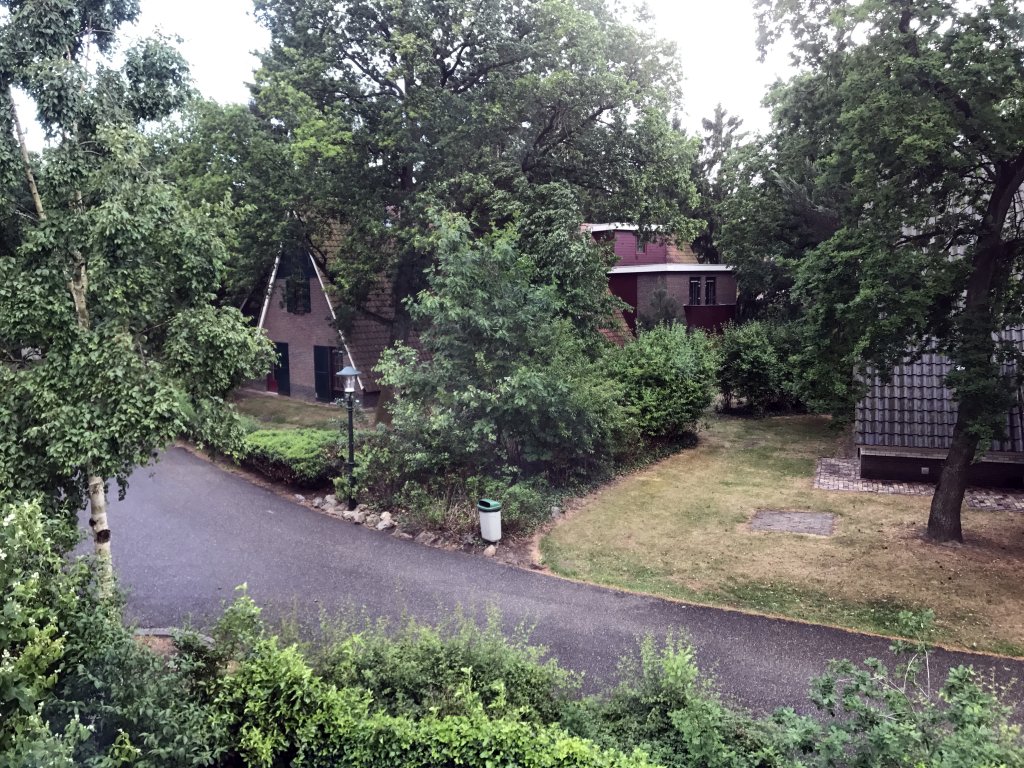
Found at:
<point>349,374</point>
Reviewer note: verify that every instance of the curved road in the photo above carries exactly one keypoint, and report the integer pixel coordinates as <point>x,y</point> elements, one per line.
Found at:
<point>188,533</point>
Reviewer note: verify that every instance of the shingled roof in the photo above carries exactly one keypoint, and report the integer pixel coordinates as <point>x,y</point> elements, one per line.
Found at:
<point>916,410</point>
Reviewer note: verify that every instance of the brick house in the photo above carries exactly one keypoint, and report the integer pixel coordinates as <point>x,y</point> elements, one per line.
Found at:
<point>658,276</point>
<point>299,318</point>
<point>904,426</point>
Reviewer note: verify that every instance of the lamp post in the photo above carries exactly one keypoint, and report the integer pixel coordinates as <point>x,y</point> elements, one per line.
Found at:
<point>349,374</point>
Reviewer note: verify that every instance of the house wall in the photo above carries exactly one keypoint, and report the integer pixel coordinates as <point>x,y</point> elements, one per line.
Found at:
<point>637,290</point>
<point>301,333</point>
<point>625,246</point>
<point>677,285</point>
<point>906,469</point>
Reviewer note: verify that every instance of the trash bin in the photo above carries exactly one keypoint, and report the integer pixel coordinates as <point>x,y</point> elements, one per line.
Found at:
<point>490,520</point>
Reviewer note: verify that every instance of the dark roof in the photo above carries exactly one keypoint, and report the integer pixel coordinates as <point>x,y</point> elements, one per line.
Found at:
<point>370,333</point>
<point>916,409</point>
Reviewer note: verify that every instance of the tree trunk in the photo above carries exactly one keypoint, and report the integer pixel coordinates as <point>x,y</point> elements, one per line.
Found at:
<point>944,519</point>
<point>78,287</point>
<point>29,175</point>
<point>101,531</point>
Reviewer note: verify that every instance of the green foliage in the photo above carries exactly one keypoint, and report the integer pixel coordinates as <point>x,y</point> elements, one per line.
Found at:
<point>721,139</point>
<point>225,152</point>
<point>75,688</point>
<point>884,718</point>
<point>667,379</point>
<point>471,107</point>
<point>754,366</point>
<point>663,708</point>
<point>35,587</point>
<point>421,671</point>
<point>506,381</point>
<point>276,710</point>
<point>300,457</point>
<point>449,503</point>
<point>108,276</point>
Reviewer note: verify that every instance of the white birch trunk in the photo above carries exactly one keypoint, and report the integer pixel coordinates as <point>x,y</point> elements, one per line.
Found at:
<point>101,531</point>
<point>78,287</point>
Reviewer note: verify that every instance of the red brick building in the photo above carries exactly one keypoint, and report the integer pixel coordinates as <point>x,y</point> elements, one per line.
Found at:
<point>299,318</point>
<point>658,276</point>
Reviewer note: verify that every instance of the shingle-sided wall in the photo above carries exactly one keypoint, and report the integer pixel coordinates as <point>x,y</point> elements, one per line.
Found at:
<point>301,333</point>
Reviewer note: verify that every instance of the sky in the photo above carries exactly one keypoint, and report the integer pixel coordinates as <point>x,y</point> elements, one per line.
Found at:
<point>715,39</point>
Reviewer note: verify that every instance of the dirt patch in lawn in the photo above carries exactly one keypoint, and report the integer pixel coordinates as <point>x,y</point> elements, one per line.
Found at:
<point>681,529</point>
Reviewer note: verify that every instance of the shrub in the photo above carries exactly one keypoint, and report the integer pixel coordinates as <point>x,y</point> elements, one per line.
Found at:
<point>75,688</point>
<point>664,708</point>
<point>884,718</point>
<point>277,711</point>
<point>753,366</point>
<point>667,379</point>
<point>299,457</point>
<point>419,670</point>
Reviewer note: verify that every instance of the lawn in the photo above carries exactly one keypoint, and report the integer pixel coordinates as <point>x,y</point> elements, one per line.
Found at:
<point>680,529</point>
<point>273,411</point>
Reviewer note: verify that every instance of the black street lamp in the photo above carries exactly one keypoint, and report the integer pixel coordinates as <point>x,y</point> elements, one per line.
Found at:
<point>350,374</point>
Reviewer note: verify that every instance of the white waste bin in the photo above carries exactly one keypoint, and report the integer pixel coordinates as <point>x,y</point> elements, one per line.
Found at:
<point>490,520</point>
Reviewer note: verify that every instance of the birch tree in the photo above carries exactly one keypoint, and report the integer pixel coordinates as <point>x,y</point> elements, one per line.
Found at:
<point>106,274</point>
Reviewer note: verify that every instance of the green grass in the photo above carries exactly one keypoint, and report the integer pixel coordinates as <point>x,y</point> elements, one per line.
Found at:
<point>680,529</point>
<point>287,412</point>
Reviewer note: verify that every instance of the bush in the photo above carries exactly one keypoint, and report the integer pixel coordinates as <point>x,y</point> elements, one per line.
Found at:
<point>664,708</point>
<point>75,688</point>
<point>667,379</point>
<point>753,367</point>
<point>275,710</point>
<point>301,457</point>
<point>419,670</point>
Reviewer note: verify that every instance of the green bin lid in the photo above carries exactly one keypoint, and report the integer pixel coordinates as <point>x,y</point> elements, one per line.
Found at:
<point>488,505</point>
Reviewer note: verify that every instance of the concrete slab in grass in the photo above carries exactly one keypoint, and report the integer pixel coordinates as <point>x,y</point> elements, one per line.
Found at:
<point>785,521</point>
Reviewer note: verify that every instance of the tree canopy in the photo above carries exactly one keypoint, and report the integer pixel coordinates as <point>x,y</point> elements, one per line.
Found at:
<point>392,109</point>
<point>905,126</point>
<point>111,345</point>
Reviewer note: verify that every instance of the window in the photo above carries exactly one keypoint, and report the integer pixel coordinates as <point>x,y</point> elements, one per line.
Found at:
<point>641,246</point>
<point>296,293</point>
<point>337,363</point>
<point>710,297</point>
<point>695,291</point>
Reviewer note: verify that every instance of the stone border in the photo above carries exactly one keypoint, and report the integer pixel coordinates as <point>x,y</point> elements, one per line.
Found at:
<point>844,475</point>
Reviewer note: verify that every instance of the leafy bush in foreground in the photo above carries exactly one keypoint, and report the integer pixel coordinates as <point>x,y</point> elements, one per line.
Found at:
<point>300,457</point>
<point>420,670</point>
<point>76,689</point>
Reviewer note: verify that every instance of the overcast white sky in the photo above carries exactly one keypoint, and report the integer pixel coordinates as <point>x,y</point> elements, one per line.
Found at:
<point>715,40</point>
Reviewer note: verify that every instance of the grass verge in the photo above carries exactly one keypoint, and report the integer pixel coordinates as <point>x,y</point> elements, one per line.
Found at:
<point>274,411</point>
<point>680,529</point>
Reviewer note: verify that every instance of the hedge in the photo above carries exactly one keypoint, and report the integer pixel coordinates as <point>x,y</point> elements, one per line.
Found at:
<point>300,457</point>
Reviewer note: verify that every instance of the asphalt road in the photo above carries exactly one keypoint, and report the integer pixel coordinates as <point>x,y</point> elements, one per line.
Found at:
<point>188,533</point>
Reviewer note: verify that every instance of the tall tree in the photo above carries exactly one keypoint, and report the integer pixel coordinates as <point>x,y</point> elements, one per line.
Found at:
<point>397,107</point>
<point>780,197</point>
<point>929,105</point>
<point>721,138</point>
<point>110,346</point>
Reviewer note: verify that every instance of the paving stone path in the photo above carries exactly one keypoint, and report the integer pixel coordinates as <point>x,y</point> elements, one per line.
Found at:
<point>844,475</point>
